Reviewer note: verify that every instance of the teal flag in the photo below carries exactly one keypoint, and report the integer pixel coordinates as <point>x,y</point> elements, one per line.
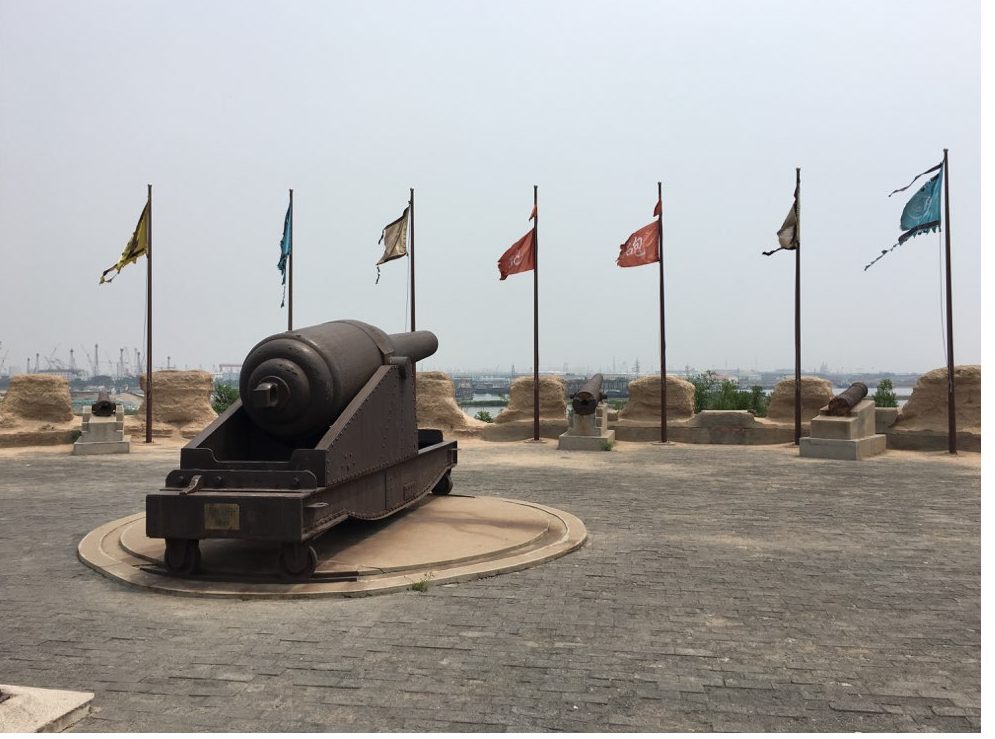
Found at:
<point>286,247</point>
<point>922,213</point>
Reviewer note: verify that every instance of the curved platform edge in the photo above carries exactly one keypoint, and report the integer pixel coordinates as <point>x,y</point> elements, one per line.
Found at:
<point>101,550</point>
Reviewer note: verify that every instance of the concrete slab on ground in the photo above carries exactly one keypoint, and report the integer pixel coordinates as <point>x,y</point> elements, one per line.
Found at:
<point>521,430</point>
<point>25,710</point>
<point>846,449</point>
<point>602,443</point>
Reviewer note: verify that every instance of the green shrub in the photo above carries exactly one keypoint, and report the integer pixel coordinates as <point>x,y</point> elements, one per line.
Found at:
<point>484,416</point>
<point>759,400</point>
<point>884,396</point>
<point>704,384</point>
<point>223,396</point>
<point>711,394</point>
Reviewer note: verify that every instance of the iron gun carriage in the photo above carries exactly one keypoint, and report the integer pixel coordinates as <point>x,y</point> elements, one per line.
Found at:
<point>324,430</point>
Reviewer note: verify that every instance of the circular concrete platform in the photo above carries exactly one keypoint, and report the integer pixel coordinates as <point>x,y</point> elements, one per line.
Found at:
<point>442,539</point>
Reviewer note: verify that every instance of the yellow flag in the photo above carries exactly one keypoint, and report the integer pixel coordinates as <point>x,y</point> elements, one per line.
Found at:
<point>137,246</point>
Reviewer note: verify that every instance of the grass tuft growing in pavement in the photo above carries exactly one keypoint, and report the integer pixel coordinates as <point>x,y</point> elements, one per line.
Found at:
<point>421,586</point>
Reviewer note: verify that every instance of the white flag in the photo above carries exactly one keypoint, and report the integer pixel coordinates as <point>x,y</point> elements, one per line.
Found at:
<point>395,240</point>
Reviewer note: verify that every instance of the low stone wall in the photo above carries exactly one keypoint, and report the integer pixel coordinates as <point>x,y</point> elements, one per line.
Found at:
<point>522,430</point>
<point>931,441</point>
<point>711,427</point>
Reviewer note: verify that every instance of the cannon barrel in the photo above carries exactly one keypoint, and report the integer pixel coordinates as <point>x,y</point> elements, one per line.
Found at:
<point>842,404</point>
<point>294,384</point>
<point>585,400</point>
<point>103,406</point>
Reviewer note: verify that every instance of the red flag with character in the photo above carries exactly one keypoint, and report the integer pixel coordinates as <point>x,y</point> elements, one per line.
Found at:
<point>640,248</point>
<point>521,257</point>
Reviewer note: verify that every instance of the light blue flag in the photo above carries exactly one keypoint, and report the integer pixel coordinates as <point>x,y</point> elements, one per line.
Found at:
<point>922,212</point>
<point>286,247</point>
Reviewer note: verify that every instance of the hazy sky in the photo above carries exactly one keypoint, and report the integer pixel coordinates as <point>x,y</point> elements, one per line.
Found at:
<point>223,106</point>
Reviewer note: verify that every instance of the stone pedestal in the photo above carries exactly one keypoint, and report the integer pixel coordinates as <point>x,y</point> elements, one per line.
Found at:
<point>844,437</point>
<point>588,433</point>
<point>884,419</point>
<point>102,434</point>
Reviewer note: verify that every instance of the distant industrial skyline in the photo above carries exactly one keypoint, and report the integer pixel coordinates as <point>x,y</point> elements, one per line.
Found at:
<point>134,364</point>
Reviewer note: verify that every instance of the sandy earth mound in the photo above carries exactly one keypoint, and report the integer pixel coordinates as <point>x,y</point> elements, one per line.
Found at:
<point>35,400</point>
<point>816,392</point>
<point>644,399</point>
<point>552,400</point>
<point>437,407</point>
<point>926,409</point>
<point>181,402</point>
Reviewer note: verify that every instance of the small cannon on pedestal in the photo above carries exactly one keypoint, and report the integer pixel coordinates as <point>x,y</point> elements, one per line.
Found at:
<point>844,403</point>
<point>844,428</point>
<point>103,407</point>
<point>325,430</point>
<point>585,401</point>
<point>588,429</point>
<point>102,428</point>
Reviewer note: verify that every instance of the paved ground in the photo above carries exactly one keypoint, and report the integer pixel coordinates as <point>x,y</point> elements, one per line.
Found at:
<point>722,588</point>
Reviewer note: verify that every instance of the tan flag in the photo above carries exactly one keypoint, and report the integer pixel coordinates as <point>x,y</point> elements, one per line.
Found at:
<point>395,240</point>
<point>787,236</point>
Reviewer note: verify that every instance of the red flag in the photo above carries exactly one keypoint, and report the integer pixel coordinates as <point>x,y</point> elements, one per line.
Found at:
<point>532,215</point>
<point>658,208</point>
<point>642,247</point>
<point>521,257</point>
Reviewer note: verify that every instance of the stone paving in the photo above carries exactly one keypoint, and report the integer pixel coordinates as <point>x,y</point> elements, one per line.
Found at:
<point>721,589</point>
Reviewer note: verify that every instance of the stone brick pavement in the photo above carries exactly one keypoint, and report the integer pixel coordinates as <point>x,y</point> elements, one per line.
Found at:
<point>722,588</point>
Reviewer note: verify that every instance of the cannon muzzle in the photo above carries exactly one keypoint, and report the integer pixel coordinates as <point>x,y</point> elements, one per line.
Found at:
<point>294,384</point>
<point>104,406</point>
<point>585,400</point>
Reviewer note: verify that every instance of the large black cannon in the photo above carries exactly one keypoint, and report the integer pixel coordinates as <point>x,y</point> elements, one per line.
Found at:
<point>325,429</point>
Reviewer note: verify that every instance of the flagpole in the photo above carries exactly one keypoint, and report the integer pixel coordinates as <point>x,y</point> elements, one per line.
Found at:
<point>148,319</point>
<point>411,218</point>
<point>663,336</point>
<point>951,408</point>
<point>290,268</point>
<point>798,307</point>
<point>535,315</point>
